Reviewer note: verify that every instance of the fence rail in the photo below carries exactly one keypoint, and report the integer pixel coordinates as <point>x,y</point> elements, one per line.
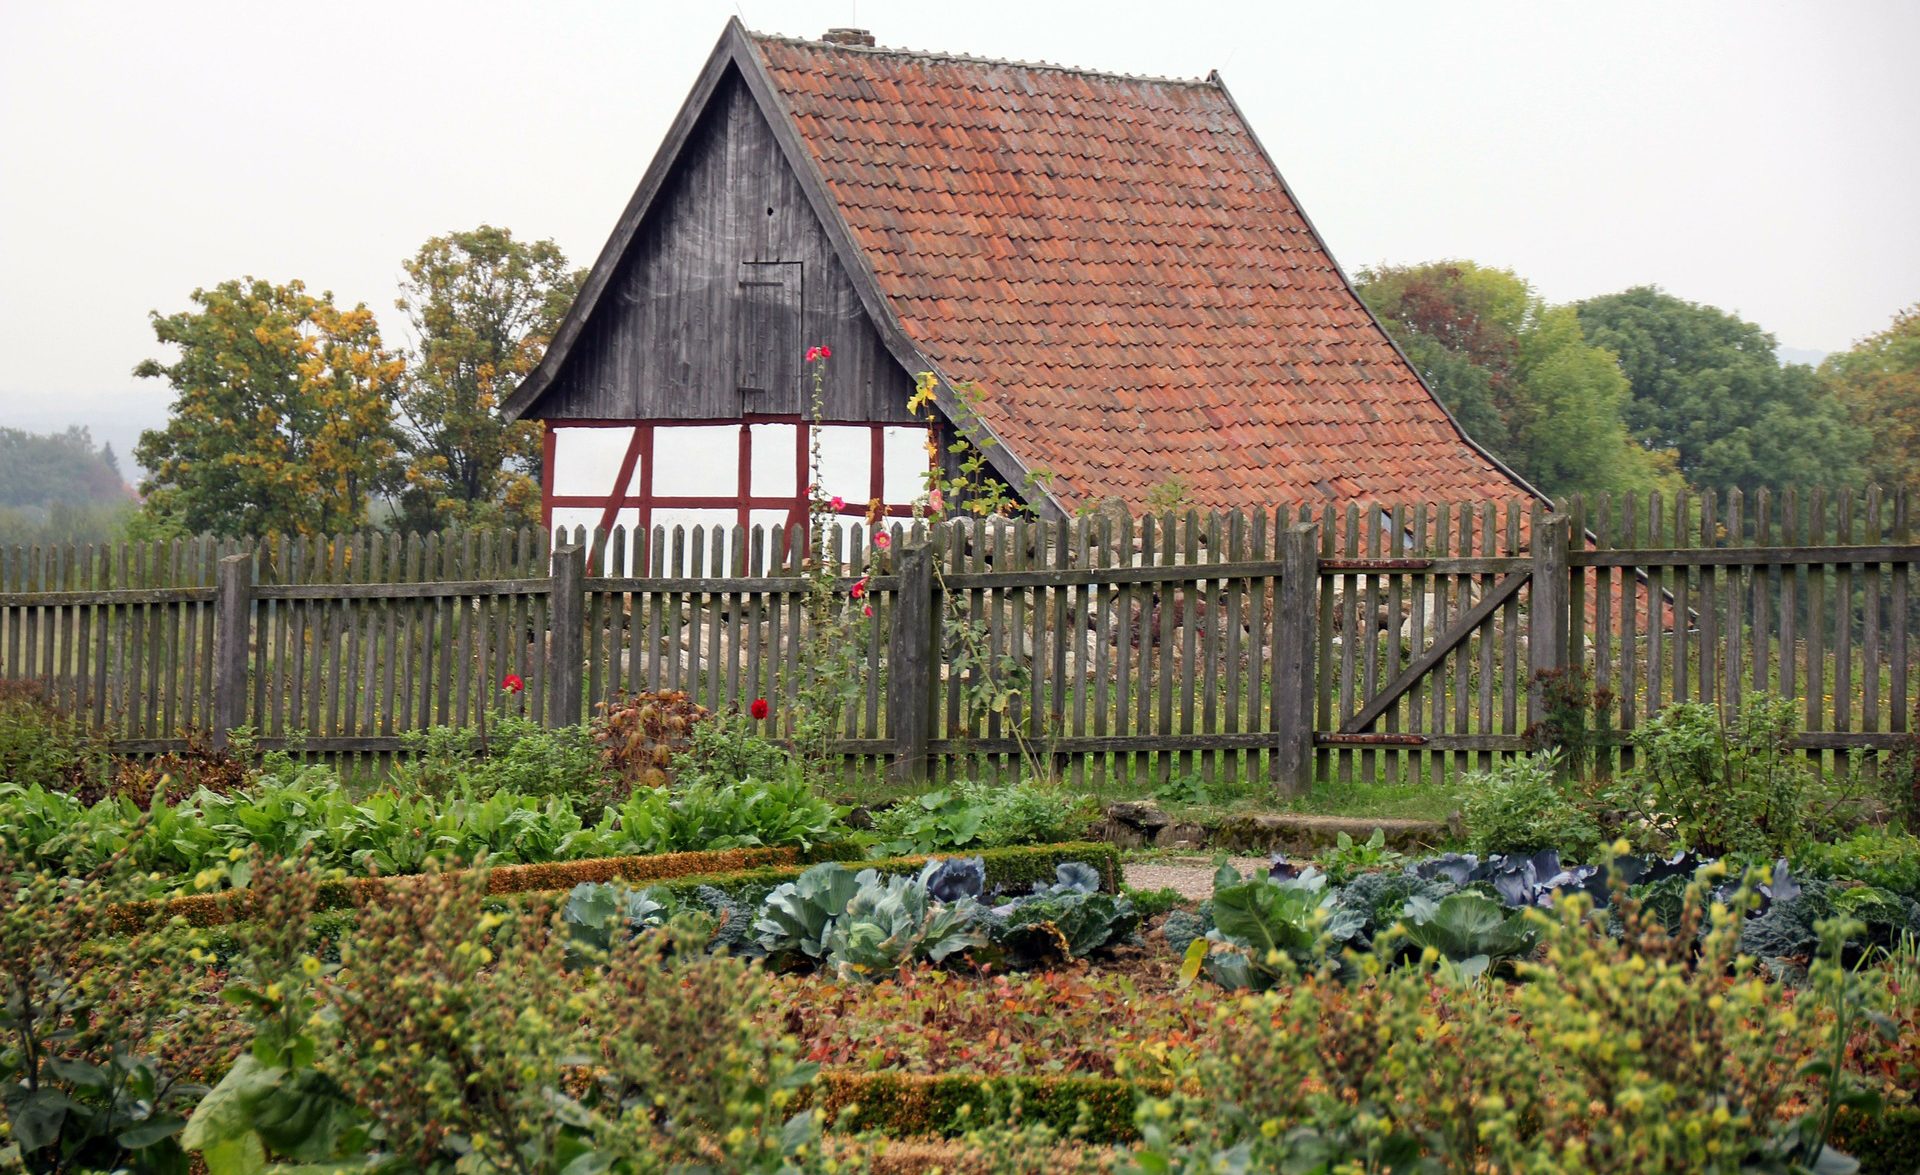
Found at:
<point>1393,642</point>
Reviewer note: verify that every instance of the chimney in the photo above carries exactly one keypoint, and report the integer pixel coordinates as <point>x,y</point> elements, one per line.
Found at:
<point>849,37</point>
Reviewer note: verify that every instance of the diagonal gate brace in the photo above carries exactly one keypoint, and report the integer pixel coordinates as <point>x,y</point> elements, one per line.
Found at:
<point>1444,644</point>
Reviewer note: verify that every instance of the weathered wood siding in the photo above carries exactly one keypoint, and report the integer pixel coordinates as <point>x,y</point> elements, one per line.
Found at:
<point>678,333</point>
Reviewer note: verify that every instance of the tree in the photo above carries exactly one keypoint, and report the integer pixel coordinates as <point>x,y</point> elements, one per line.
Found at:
<point>1707,385</point>
<point>1519,375</point>
<point>483,307</point>
<point>280,420</point>
<point>39,470</point>
<point>1879,383</point>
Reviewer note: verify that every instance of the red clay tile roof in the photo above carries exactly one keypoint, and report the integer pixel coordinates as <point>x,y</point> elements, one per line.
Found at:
<point>1119,265</point>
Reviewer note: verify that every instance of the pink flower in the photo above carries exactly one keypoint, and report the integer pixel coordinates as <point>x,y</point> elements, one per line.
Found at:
<point>838,503</point>
<point>759,708</point>
<point>816,354</point>
<point>859,588</point>
<point>868,610</point>
<point>935,502</point>
<point>882,540</point>
<point>513,683</point>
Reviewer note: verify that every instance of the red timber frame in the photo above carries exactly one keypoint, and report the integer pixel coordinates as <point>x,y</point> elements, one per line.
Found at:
<point>640,451</point>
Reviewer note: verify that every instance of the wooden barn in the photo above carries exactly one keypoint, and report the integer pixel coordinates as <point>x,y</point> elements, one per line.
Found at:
<point>1114,261</point>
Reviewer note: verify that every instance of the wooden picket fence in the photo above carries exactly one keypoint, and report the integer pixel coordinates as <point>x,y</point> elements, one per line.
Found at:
<point>1392,642</point>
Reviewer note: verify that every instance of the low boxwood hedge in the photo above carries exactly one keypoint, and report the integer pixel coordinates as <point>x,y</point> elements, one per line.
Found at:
<point>218,909</point>
<point>1095,1110</point>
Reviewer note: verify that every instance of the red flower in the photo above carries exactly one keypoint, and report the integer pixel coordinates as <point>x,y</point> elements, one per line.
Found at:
<point>838,503</point>
<point>815,354</point>
<point>882,540</point>
<point>513,683</point>
<point>868,610</point>
<point>759,708</point>
<point>859,588</point>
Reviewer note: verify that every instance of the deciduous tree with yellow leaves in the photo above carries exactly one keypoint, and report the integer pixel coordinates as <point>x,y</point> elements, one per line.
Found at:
<point>281,421</point>
<point>1879,382</point>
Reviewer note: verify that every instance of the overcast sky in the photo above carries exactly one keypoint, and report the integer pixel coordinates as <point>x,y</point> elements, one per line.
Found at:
<point>1758,156</point>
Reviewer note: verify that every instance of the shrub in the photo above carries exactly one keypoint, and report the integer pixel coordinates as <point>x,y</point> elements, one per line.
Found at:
<point>80,1019</point>
<point>1523,806</point>
<point>40,744</point>
<point>514,754</point>
<point>978,815</point>
<point>639,734</point>
<point>1886,858</point>
<point>1733,787</point>
<point>175,775</point>
<point>724,749</point>
<point>1646,1050</point>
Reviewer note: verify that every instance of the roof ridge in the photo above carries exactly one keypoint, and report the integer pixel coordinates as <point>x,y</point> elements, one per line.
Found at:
<point>974,59</point>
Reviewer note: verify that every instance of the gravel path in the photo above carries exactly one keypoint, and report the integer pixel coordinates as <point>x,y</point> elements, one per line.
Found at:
<point>1192,877</point>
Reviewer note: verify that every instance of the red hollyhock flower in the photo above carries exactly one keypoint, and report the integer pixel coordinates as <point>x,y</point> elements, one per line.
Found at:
<point>859,588</point>
<point>838,503</point>
<point>815,354</point>
<point>868,610</point>
<point>513,683</point>
<point>759,708</point>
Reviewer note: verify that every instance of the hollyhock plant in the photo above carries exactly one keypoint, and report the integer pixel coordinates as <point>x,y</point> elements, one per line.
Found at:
<point>838,503</point>
<point>513,683</point>
<point>815,354</point>
<point>936,502</point>
<point>758,709</point>
<point>859,588</point>
<point>882,540</point>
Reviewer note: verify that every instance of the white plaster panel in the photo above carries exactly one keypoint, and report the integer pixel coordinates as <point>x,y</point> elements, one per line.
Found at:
<point>904,476</point>
<point>846,462</point>
<point>696,461</point>
<point>775,469</point>
<point>586,461</point>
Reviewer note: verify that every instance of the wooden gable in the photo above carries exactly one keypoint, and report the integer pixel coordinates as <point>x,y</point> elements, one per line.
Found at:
<point>727,279</point>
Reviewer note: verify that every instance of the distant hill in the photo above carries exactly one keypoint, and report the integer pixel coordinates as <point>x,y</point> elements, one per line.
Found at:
<point>1806,355</point>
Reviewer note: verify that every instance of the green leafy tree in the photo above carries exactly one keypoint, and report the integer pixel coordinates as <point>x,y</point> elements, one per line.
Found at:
<point>1879,383</point>
<point>483,307</point>
<point>1519,375</point>
<point>1707,385</point>
<point>280,421</point>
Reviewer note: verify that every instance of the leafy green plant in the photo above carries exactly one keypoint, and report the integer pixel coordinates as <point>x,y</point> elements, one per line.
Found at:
<point>1069,919</point>
<point>1348,859</point>
<point>751,813</point>
<point>890,922</point>
<point>1380,899</point>
<point>977,815</point>
<point>863,925</point>
<point>514,754</point>
<point>1474,932</point>
<point>1524,805</point>
<point>1266,932</point>
<point>724,749</point>
<point>1886,858</point>
<point>1732,786</point>
<point>276,1100</point>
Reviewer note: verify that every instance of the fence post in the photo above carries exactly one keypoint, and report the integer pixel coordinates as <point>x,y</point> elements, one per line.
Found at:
<point>910,654</point>
<point>566,620</point>
<point>1547,615</point>
<point>232,624</point>
<point>1295,624</point>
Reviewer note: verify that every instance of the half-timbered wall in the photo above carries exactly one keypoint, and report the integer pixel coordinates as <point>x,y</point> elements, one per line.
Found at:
<point>754,472</point>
